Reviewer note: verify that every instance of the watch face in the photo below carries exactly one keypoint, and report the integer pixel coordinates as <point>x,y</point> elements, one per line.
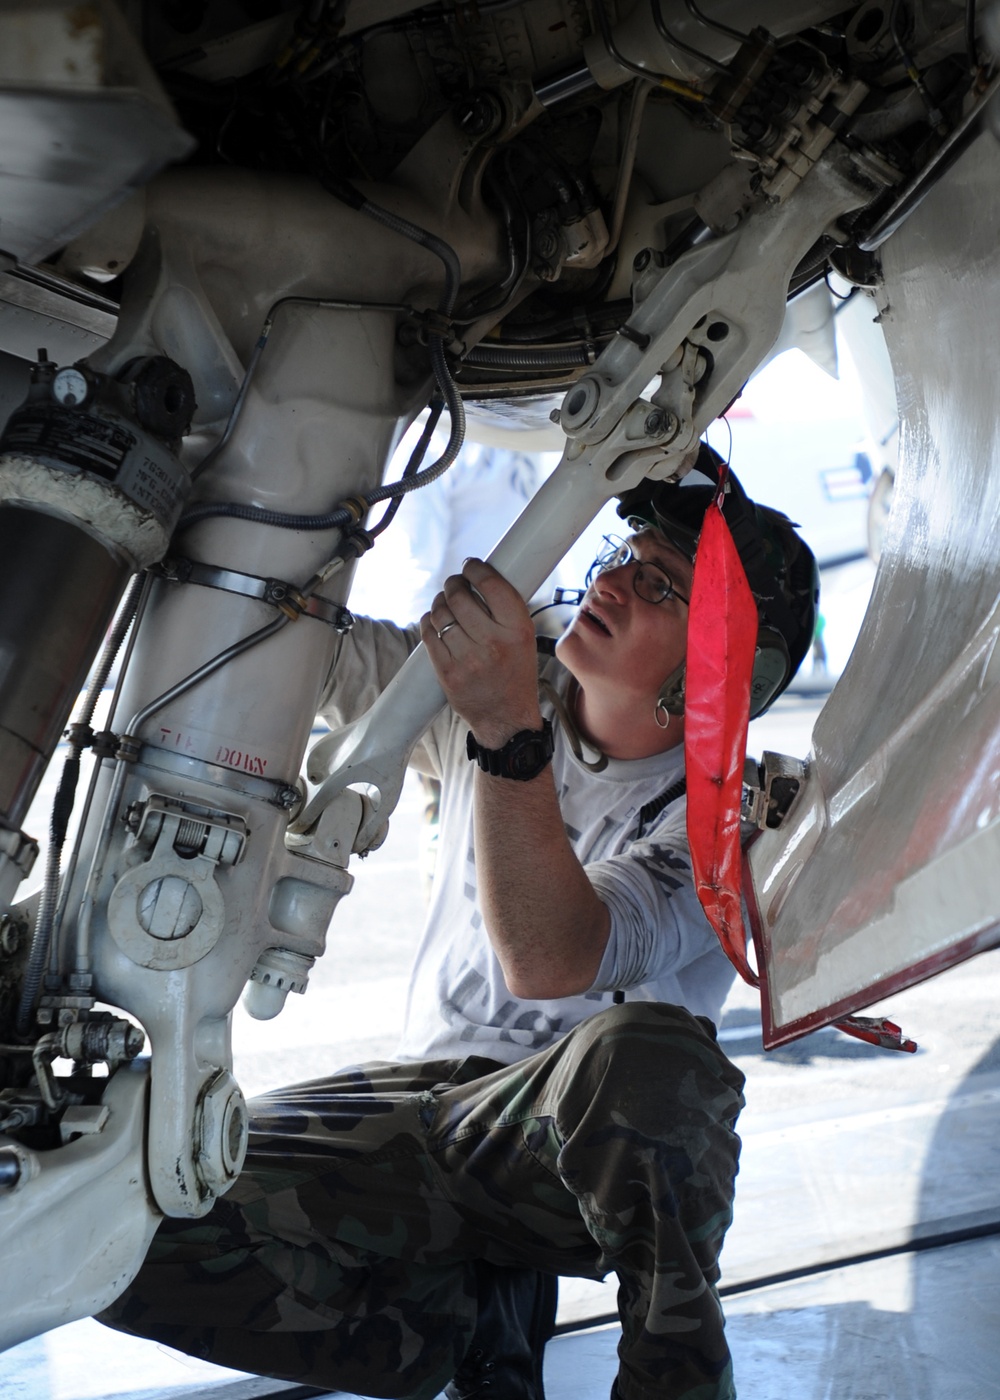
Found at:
<point>529,752</point>
<point>530,758</point>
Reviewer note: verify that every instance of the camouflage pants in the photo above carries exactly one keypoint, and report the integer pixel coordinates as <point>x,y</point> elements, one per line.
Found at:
<point>343,1256</point>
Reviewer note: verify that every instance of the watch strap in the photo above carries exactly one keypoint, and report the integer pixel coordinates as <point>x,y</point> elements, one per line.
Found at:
<point>523,756</point>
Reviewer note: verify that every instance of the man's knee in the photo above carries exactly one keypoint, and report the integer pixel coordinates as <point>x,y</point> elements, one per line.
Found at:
<point>655,1053</point>
<point>643,1032</point>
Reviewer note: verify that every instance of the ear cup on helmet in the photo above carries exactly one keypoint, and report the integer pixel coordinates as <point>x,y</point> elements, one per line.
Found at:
<point>772,668</point>
<point>671,697</point>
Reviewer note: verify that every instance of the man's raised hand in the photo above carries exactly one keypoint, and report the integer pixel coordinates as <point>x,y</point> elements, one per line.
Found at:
<point>481,642</point>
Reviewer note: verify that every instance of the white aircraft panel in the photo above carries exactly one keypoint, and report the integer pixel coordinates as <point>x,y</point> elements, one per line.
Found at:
<point>888,867</point>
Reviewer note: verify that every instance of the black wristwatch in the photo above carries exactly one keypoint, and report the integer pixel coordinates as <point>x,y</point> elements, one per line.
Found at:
<point>523,757</point>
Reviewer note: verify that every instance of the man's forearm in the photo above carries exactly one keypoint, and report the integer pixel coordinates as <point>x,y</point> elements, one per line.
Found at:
<point>547,925</point>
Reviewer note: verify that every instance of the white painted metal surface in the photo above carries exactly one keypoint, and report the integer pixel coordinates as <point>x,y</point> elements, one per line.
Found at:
<point>97,1182</point>
<point>888,868</point>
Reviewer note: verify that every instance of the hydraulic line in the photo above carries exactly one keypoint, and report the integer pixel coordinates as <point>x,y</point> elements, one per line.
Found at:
<point>913,193</point>
<point>62,808</point>
<point>95,775</point>
<point>934,114</point>
<point>324,303</point>
<point>626,161</point>
<point>660,79</point>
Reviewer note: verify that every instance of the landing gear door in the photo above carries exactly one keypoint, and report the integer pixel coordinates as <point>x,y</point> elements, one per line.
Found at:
<point>887,867</point>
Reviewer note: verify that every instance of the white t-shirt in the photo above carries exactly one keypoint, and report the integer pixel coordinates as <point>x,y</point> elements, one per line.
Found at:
<point>661,946</point>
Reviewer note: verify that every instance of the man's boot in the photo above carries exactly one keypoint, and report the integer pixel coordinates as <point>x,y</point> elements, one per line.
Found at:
<point>517,1316</point>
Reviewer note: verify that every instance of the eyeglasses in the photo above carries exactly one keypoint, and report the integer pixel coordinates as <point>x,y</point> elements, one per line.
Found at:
<point>652,583</point>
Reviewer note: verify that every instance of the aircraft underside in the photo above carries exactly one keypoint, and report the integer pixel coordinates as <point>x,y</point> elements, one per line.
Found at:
<point>242,247</point>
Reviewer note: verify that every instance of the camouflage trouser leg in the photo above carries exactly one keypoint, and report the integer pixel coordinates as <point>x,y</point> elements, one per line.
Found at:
<point>343,1255</point>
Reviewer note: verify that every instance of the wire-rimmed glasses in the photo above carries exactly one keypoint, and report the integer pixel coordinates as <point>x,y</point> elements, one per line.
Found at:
<point>651,582</point>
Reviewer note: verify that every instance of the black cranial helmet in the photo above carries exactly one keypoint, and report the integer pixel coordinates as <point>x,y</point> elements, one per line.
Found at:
<point>779,565</point>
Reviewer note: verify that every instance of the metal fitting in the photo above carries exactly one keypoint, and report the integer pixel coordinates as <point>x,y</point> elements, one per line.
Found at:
<point>128,748</point>
<point>661,423</point>
<point>276,972</point>
<point>479,114</point>
<point>221,1130</point>
<point>18,1166</point>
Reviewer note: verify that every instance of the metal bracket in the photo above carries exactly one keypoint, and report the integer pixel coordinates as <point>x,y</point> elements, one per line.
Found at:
<point>197,831</point>
<point>167,911</point>
<point>770,788</point>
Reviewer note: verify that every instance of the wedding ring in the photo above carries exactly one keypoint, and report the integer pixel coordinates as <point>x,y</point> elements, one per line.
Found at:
<point>446,628</point>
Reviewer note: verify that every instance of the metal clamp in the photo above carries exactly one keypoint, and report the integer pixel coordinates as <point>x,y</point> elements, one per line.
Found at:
<point>275,591</point>
<point>274,792</point>
<point>770,788</point>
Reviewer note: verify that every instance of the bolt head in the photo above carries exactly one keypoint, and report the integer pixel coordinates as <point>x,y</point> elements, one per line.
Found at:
<point>642,259</point>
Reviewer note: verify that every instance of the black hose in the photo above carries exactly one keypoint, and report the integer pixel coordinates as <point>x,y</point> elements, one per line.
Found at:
<point>413,465</point>
<point>456,410</point>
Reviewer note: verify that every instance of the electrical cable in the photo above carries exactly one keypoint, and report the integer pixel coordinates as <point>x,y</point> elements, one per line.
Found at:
<point>62,809</point>
<point>564,709</point>
<point>940,1239</point>
<point>413,465</point>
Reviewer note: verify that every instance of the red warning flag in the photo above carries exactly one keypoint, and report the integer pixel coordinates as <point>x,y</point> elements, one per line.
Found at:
<point>722,640</point>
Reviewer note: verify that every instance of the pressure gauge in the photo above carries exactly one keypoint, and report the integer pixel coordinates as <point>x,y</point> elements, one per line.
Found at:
<point>71,388</point>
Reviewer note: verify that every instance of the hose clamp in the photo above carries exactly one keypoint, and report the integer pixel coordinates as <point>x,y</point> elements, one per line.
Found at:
<point>280,594</point>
